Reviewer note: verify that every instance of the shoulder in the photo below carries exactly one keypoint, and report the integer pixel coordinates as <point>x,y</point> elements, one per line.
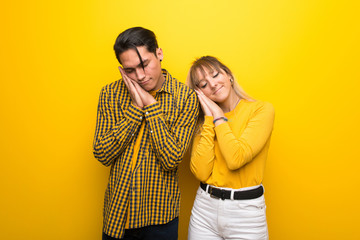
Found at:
<point>180,89</point>
<point>265,105</point>
<point>114,88</point>
<point>113,85</point>
<point>259,106</point>
<point>186,94</point>
<point>184,97</point>
<point>183,88</point>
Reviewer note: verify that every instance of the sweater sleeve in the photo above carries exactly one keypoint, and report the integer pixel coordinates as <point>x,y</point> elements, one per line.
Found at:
<point>239,151</point>
<point>203,151</point>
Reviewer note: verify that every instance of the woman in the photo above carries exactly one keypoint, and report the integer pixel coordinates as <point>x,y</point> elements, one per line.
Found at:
<point>228,156</point>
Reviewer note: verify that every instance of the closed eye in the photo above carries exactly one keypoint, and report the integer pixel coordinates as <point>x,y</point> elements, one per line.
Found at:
<point>215,75</point>
<point>146,63</point>
<point>203,85</point>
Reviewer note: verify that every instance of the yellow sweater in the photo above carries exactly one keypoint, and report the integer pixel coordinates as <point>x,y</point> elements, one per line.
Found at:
<point>233,154</point>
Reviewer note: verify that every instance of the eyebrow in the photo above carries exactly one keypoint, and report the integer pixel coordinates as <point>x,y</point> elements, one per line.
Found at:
<point>139,65</point>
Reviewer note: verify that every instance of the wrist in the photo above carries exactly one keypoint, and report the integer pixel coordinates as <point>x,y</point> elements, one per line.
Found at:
<point>151,101</point>
<point>220,120</point>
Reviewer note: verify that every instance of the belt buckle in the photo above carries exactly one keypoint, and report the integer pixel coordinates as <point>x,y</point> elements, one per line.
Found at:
<point>221,191</point>
<point>211,193</point>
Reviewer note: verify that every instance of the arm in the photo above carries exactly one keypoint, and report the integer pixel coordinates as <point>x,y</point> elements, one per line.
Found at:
<point>239,151</point>
<point>203,152</point>
<point>114,133</point>
<point>170,144</point>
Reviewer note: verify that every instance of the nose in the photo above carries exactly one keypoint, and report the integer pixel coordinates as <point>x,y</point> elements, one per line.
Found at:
<point>212,84</point>
<point>140,74</point>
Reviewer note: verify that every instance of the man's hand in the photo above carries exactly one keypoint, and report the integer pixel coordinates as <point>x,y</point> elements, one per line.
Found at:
<point>139,96</point>
<point>135,96</point>
<point>145,96</point>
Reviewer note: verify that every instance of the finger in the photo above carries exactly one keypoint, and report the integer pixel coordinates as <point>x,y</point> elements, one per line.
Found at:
<point>124,77</point>
<point>204,106</point>
<point>137,86</point>
<point>199,90</point>
<point>145,96</point>
<point>209,105</point>
<point>128,82</point>
<point>121,72</point>
<point>203,97</point>
<point>131,88</point>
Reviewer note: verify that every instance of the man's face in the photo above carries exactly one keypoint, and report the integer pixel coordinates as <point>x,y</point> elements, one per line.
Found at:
<point>150,77</point>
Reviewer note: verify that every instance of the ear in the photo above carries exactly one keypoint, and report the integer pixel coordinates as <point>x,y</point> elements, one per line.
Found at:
<point>159,54</point>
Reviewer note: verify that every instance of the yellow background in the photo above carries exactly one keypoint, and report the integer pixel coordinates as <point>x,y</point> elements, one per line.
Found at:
<point>301,55</point>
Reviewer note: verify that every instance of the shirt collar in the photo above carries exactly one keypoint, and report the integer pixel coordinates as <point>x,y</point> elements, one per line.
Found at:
<point>168,83</point>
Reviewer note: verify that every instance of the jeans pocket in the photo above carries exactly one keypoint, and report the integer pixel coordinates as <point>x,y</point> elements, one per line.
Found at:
<point>253,205</point>
<point>257,204</point>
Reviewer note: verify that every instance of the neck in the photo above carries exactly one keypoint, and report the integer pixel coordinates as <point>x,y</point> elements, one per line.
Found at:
<point>160,82</point>
<point>230,103</point>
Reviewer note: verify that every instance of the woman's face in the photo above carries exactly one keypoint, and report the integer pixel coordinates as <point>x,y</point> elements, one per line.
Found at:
<point>215,85</point>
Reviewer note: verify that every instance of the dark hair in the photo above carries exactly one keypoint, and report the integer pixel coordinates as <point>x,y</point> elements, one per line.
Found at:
<point>135,37</point>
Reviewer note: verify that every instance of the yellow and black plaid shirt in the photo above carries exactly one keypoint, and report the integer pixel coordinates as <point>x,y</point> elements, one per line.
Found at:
<point>151,191</point>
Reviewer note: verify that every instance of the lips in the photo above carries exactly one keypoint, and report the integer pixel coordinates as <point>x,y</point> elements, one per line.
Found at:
<point>218,90</point>
<point>144,82</point>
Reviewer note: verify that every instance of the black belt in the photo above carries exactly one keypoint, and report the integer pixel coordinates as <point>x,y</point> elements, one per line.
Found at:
<point>238,195</point>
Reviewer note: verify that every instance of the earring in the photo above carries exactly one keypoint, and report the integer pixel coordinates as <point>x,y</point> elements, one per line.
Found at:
<point>232,81</point>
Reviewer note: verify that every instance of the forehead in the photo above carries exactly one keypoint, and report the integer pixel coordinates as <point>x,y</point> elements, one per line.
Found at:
<point>202,71</point>
<point>130,58</point>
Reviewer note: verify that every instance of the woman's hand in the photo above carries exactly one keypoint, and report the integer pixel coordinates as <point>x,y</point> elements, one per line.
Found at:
<point>209,107</point>
<point>203,104</point>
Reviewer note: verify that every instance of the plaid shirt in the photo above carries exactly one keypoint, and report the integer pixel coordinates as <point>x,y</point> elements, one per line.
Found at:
<point>151,191</point>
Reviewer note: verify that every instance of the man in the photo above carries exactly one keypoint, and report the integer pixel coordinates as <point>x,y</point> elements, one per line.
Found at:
<point>144,125</point>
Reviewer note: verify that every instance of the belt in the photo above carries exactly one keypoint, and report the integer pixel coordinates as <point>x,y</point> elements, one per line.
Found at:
<point>238,195</point>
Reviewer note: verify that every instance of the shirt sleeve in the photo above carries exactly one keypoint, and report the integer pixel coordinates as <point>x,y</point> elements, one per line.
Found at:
<point>114,133</point>
<point>170,144</point>
<point>239,151</point>
<point>203,151</point>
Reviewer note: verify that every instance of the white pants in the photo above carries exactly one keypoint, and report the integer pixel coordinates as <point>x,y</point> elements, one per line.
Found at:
<point>213,218</point>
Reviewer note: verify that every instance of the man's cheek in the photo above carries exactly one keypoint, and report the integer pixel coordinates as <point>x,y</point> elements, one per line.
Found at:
<point>132,76</point>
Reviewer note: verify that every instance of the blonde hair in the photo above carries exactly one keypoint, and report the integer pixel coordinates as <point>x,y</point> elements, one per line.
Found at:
<point>212,64</point>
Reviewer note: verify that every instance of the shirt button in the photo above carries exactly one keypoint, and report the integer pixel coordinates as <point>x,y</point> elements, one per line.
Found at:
<point>141,117</point>
<point>151,131</point>
<point>147,113</point>
<point>132,134</point>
